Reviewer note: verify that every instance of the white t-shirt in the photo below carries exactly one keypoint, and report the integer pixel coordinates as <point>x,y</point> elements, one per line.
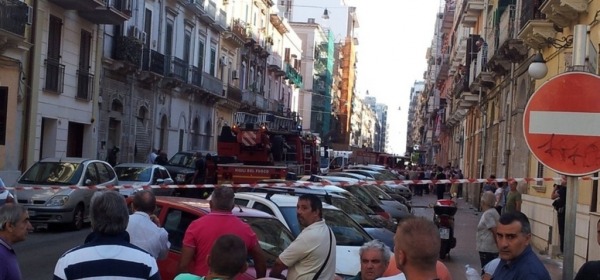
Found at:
<point>305,256</point>
<point>485,237</point>
<point>394,277</point>
<point>490,267</point>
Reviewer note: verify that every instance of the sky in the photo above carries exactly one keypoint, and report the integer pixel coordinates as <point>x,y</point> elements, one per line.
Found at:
<point>393,40</point>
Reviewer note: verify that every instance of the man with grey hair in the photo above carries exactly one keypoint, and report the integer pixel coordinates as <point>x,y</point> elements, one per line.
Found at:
<point>202,233</point>
<point>374,260</point>
<point>486,229</point>
<point>106,252</point>
<point>14,226</point>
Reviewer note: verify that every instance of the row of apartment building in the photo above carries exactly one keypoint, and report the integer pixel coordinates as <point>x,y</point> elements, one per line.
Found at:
<point>468,111</point>
<point>78,77</point>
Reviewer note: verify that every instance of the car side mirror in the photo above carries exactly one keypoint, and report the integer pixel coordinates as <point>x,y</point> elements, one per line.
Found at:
<point>160,181</point>
<point>88,182</point>
<point>168,181</point>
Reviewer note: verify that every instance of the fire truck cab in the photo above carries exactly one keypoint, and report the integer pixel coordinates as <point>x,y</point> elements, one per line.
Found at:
<point>268,145</point>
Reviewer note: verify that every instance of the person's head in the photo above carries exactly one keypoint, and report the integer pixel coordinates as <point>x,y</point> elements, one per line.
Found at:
<point>513,185</point>
<point>374,259</point>
<point>228,256</point>
<point>14,223</point>
<point>108,212</point>
<point>513,233</point>
<point>222,199</point>
<point>417,244</point>
<point>488,200</point>
<point>309,209</point>
<point>144,201</point>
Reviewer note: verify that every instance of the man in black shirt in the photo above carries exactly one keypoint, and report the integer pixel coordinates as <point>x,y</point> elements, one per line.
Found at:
<point>590,270</point>
<point>200,174</point>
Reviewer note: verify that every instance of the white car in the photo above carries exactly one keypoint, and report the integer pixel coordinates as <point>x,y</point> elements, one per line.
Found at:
<point>349,235</point>
<point>137,175</point>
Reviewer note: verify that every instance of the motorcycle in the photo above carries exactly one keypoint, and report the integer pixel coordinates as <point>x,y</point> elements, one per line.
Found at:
<point>443,217</point>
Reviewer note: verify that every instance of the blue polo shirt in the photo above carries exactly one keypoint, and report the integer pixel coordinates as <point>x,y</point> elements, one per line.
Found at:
<point>527,266</point>
<point>9,267</point>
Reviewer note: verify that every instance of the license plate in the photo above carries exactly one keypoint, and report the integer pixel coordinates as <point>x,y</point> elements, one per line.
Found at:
<point>444,233</point>
<point>31,213</point>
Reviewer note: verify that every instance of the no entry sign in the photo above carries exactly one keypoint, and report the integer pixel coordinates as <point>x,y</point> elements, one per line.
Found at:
<point>561,123</point>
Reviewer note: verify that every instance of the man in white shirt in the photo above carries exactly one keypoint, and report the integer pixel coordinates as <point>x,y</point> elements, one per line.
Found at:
<point>144,227</point>
<point>152,156</point>
<point>313,252</point>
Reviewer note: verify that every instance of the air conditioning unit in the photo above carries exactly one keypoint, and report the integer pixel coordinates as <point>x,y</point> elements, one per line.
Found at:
<point>142,37</point>
<point>134,32</point>
<point>224,61</point>
<point>234,75</point>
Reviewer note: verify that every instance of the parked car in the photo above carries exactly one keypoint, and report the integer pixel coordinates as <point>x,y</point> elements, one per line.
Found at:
<point>137,175</point>
<point>176,214</point>
<point>5,195</point>
<point>54,205</point>
<point>373,228</point>
<point>182,165</point>
<point>349,235</point>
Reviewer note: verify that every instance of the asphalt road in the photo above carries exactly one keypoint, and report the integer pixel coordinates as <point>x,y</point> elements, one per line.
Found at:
<point>38,254</point>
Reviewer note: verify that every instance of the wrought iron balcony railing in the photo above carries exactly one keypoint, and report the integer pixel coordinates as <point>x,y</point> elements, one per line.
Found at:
<point>153,61</point>
<point>85,83</point>
<point>55,75</point>
<point>177,68</point>
<point>14,16</point>
<point>128,49</point>
<point>196,76</point>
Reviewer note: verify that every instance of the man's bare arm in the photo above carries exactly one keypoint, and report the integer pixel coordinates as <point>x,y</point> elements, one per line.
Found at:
<point>260,263</point>
<point>187,254</point>
<point>277,268</point>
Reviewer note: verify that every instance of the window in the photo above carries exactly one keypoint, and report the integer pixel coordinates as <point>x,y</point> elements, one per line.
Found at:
<point>261,207</point>
<point>169,39</point>
<point>84,77</point>
<point>241,202</point>
<point>213,61</point>
<point>187,41</point>
<point>148,27</point>
<point>3,114</point>
<point>200,55</point>
<point>54,70</point>
<point>104,175</point>
<point>176,223</point>
<point>92,175</point>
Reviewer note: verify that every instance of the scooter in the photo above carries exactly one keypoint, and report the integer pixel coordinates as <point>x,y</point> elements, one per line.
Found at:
<point>443,217</point>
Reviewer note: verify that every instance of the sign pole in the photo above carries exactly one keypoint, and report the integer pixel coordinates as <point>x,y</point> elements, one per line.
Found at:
<point>570,224</point>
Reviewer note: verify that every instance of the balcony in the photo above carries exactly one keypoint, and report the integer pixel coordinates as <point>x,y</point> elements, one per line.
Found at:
<point>278,23</point>
<point>512,49</point>
<point>196,74</point>
<point>113,12</point>
<point>293,76</point>
<point>176,72</point>
<point>79,5</point>
<point>249,97</point>
<point>212,85</point>
<point>443,61</point>
<point>564,12</point>
<point>85,83</point>
<point>14,18</point>
<point>221,21</point>
<point>236,34</point>
<point>153,66</point>
<point>234,93</point>
<point>471,10</point>
<point>55,76</point>
<point>197,6</point>
<point>210,13</point>
<point>479,76</point>
<point>275,63</point>
<point>448,17</point>
<point>536,32</point>
<point>127,54</point>
<point>261,102</point>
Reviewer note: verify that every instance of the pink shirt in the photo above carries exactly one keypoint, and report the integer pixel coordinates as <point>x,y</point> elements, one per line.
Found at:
<point>202,233</point>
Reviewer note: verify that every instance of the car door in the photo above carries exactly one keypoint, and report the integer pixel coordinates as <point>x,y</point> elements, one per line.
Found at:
<point>175,221</point>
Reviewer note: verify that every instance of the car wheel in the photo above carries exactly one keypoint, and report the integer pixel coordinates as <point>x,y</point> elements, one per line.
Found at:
<point>77,222</point>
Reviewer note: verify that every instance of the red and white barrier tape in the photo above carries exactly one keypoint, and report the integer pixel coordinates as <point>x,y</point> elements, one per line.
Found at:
<point>300,184</point>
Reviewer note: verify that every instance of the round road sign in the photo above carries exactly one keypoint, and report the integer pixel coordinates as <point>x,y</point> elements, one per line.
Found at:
<point>561,123</point>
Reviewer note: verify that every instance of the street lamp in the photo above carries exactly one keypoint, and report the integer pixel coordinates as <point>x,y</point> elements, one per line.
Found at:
<point>537,68</point>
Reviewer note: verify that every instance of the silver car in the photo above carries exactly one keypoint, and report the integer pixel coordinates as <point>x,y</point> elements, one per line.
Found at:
<point>43,189</point>
<point>134,176</point>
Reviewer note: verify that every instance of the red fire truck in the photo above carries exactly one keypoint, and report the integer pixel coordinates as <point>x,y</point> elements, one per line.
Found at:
<point>266,146</point>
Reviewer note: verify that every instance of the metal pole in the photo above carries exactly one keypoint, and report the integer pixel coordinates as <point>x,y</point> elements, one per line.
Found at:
<point>579,44</point>
<point>570,221</point>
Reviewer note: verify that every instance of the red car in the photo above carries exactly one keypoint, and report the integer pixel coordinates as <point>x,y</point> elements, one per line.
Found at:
<point>176,214</point>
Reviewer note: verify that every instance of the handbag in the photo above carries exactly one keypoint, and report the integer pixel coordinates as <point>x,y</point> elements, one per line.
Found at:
<point>326,259</point>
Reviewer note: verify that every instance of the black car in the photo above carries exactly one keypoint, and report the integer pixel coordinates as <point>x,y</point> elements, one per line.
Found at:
<point>182,165</point>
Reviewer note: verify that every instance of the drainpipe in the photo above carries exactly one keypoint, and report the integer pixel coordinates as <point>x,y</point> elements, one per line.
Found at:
<point>508,132</point>
<point>96,89</point>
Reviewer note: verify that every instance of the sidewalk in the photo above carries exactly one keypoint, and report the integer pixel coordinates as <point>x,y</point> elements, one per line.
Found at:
<point>466,220</point>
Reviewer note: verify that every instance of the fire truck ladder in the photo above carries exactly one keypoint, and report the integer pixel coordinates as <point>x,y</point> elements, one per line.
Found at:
<point>276,123</point>
<point>307,158</point>
<point>243,119</point>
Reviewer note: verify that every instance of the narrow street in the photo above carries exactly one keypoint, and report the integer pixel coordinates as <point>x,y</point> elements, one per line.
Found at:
<point>464,253</point>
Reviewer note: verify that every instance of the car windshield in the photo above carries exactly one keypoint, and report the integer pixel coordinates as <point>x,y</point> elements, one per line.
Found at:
<point>136,174</point>
<point>53,173</point>
<point>272,235</point>
<point>183,160</point>
<point>346,231</point>
<point>353,211</point>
